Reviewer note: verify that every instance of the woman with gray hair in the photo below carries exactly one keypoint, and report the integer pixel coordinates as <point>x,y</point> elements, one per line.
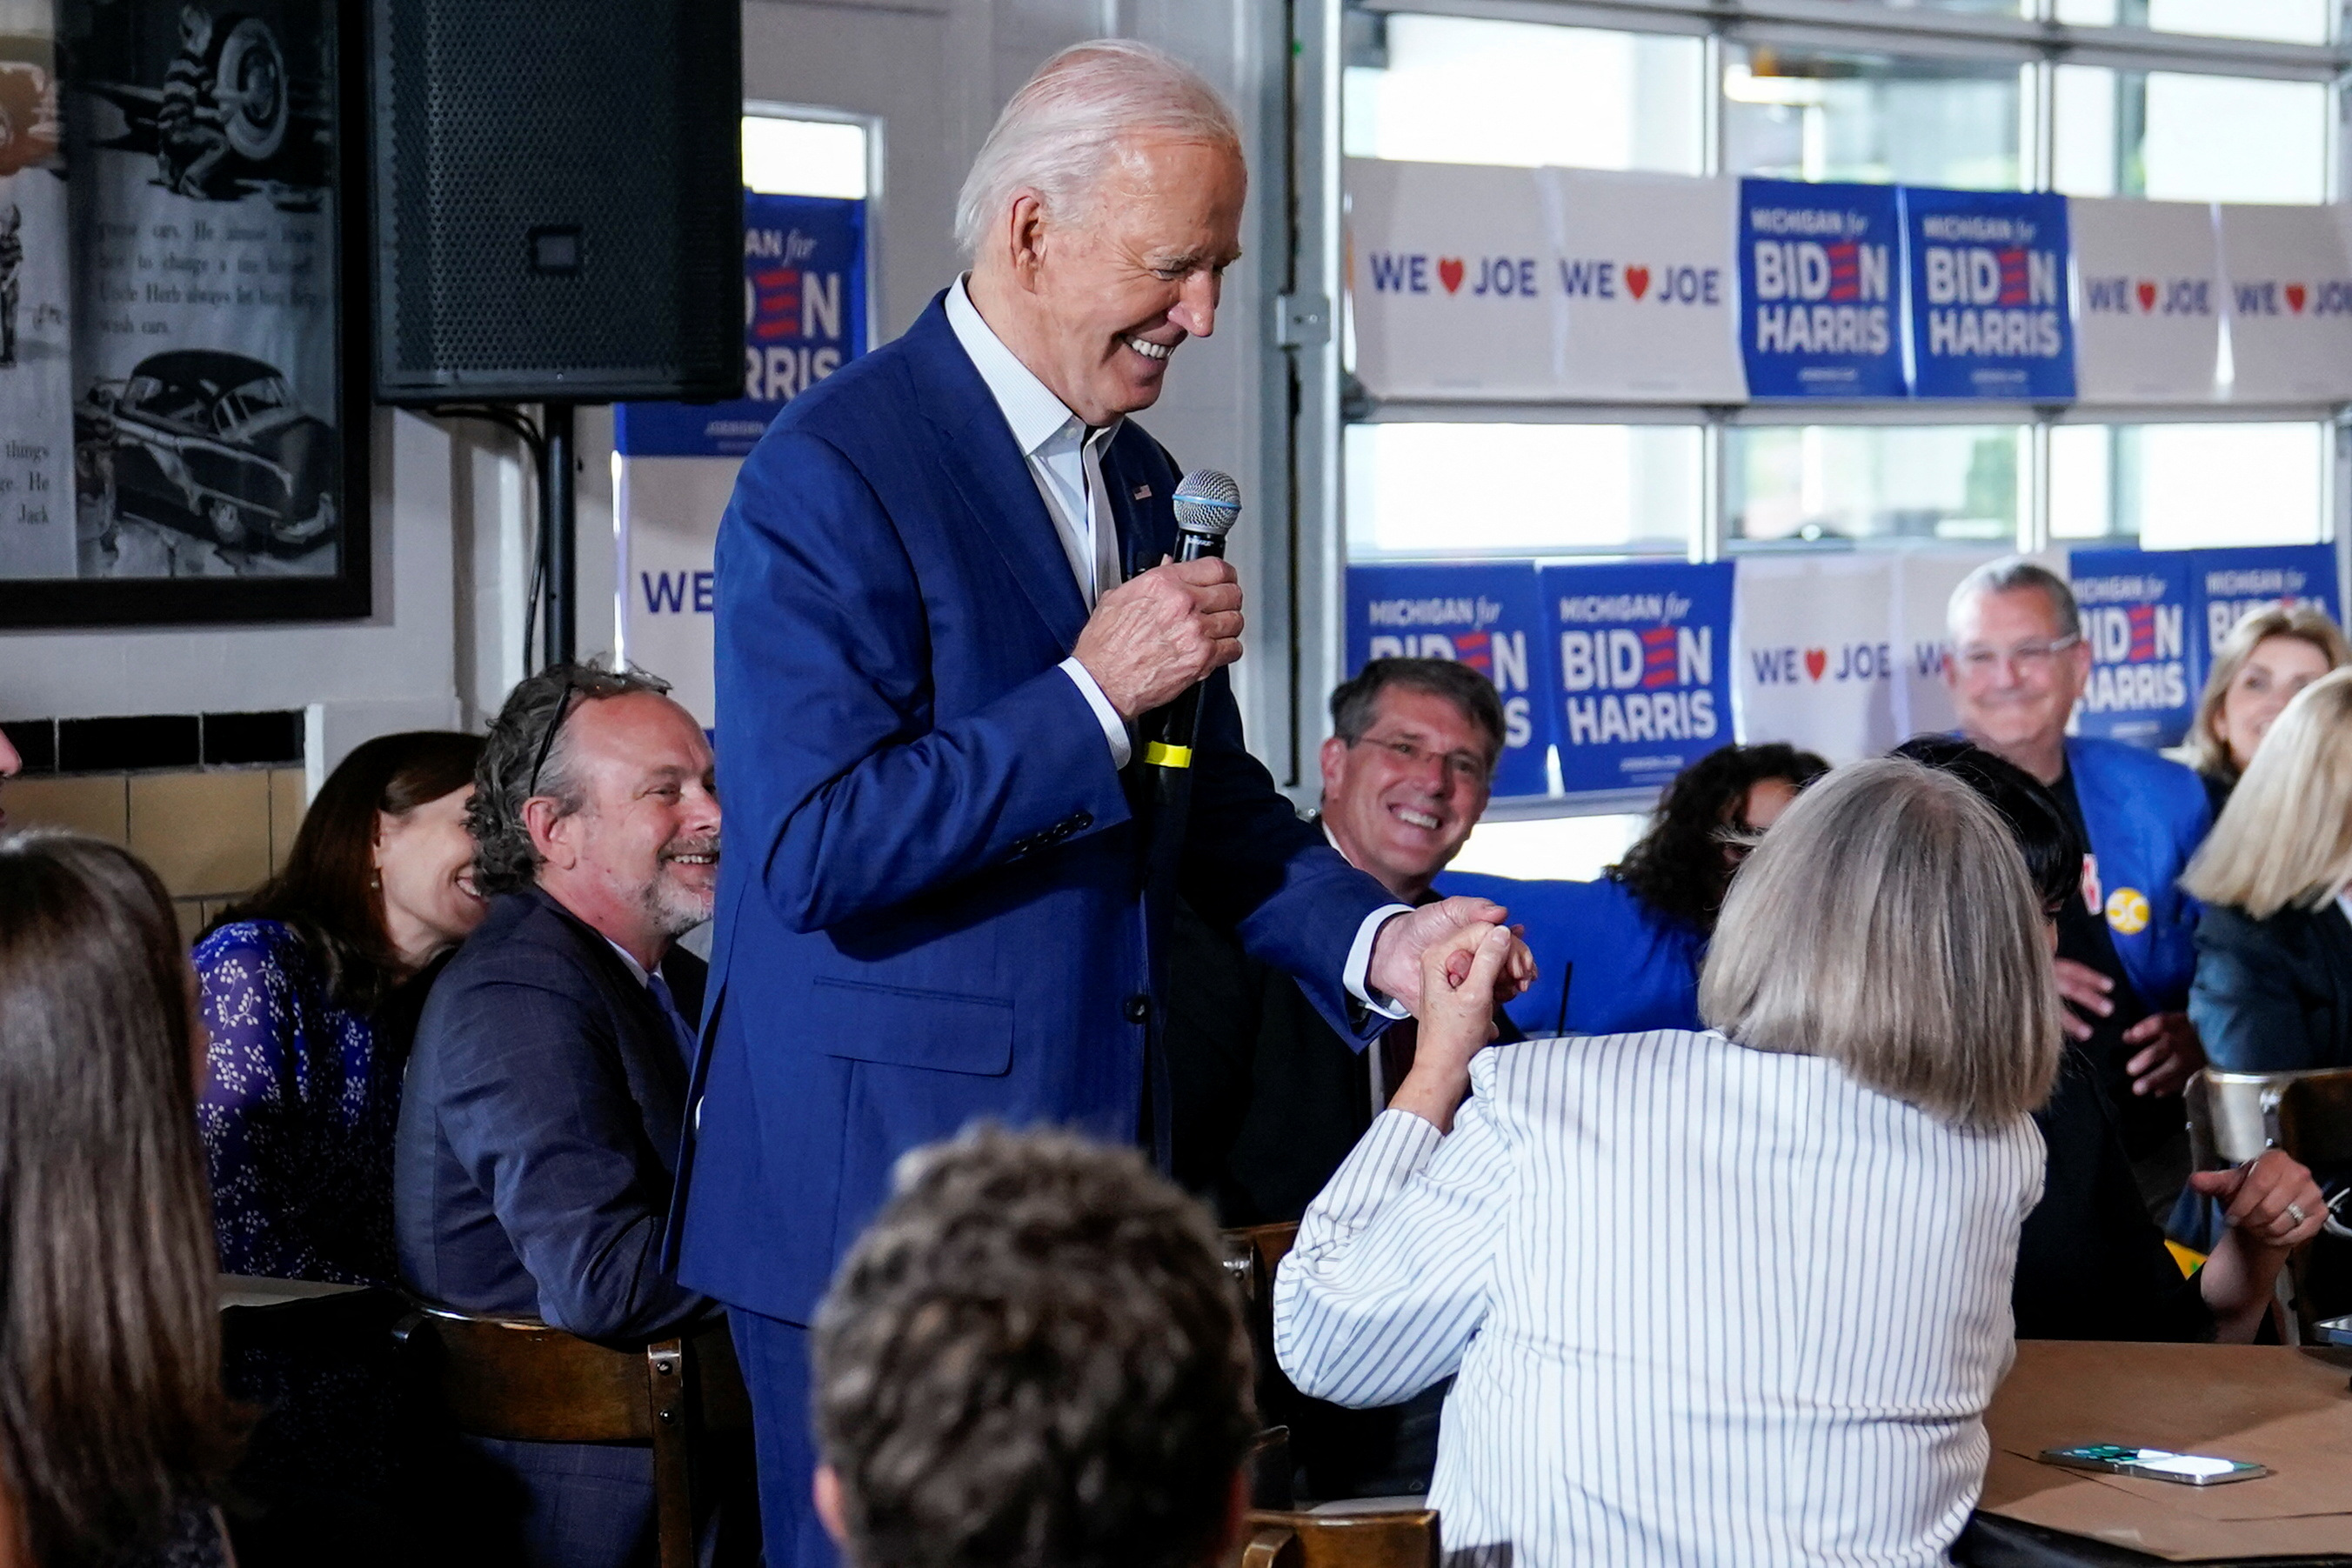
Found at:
<point>1731,1296</point>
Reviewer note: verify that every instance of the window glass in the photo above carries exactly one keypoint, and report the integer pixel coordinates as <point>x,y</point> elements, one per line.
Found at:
<point>2281,21</point>
<point>1816,115</point>
<point>1444,89</point>
<point>804,157</point>
<point>1521,489</point>
<point>1549,848</point>
<point>2176,486</point>
<point>2178,136</point>
<point>1816,483</point>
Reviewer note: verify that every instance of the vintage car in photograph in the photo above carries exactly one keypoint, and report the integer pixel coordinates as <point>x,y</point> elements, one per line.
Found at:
<point>214,444</point>
<point>271,114</point>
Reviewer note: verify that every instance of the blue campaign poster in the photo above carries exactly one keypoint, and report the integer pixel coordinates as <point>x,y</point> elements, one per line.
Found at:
<point>2135,617</point>
<point>1990,316</point>
<point>1819,315</point>
<point>804,319</point>
<point>2230,583</point>
<point>1487,616</point>
<point>1641,664</point>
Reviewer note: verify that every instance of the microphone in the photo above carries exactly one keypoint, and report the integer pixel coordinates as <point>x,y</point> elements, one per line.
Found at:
<point>1208,504</point>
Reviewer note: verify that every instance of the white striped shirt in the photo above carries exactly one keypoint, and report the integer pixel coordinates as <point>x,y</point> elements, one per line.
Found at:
<point>1707,1304</point>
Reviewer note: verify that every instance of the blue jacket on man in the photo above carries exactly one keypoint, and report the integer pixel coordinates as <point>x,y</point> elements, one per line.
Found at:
<point>1606,962</point>
<point>932,904</point>
<point>2146,815</point>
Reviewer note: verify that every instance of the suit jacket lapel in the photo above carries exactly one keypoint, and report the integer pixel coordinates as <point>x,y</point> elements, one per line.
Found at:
<point>990,474</point>
<point>1140,543</point>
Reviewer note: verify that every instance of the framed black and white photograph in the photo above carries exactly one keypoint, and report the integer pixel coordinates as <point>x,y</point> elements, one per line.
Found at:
<point>193,442</point>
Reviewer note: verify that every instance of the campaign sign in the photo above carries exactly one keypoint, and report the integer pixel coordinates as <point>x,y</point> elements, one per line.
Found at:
<point>2135,606</point>
<point>1818,658</point>
<point>1642,669</point>
<point>1645,286</point>
<point>804,319</point>
<point>1990,316</point>
<point>1818,315</point>
<point>2147,312</point>
<point>2290,301</point>
<point>2230,583</point>
<point>1488,617</point>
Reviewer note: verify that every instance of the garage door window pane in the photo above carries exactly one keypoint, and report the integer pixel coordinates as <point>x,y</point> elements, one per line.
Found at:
<point>2177,486</point>
<point>1521,489</point>
<point>1811,115</point>
<point>1815,484</point>
<point>1442,90</point>
<point>2175,136</point>
<point>2281,21</point>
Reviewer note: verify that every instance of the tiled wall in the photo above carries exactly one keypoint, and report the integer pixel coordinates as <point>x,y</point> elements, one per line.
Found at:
<point>212,832</point>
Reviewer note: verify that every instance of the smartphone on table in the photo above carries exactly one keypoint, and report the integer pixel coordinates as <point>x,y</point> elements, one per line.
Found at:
<point>2154,1464</point>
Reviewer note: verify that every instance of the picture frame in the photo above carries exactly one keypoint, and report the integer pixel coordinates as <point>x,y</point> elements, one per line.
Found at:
<point>187,416</point>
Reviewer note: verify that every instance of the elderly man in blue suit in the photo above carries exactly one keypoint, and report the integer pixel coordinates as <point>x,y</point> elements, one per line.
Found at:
<point>939,621</point>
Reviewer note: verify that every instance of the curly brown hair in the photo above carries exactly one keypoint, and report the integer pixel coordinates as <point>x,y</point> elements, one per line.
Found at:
<point>1034,1359</point>
<point>1678,867</point>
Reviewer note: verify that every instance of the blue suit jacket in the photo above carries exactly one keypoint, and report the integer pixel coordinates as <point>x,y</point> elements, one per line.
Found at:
<point>1606,962</point>
<point>2147,816</point>
<point>539,1130</point>
<point>932,904</point>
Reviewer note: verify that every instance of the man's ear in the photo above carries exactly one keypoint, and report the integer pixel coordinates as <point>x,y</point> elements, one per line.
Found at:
<point>550,832</point>
<point>1332,756</point>
<point>825,1489</point>
<point>1025,237</point>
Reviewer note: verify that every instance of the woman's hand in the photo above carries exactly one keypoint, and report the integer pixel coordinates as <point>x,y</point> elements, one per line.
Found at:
<point>1457,1019</point>
<point>2272,1206</point>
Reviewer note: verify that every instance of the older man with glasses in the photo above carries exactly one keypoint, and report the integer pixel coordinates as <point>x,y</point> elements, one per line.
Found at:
<point>2127,948</point>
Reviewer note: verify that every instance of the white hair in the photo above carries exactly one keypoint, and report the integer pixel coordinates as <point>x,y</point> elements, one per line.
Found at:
<point>1059,131</point>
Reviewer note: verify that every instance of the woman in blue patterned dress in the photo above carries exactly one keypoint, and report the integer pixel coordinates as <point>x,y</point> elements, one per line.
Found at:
<point>311,992</point>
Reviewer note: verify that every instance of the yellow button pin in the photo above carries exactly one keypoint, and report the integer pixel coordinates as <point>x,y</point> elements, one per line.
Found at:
<point>2127,911</point>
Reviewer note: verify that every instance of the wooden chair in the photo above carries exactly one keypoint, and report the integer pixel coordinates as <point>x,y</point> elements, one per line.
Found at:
<point>491,1377</point>
<point>2314,1125</point>
<point>1406,1539</point>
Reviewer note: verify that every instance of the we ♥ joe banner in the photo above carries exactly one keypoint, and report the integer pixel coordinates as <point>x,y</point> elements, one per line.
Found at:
<point>1486,617</point>
<point>1558,285</point>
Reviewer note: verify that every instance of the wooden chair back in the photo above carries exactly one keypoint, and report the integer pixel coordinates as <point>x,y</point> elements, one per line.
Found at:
<point>2234,1116</point>
<point>1407,1539</point>
<point>494,1377</point>
<point>2314,1117</point>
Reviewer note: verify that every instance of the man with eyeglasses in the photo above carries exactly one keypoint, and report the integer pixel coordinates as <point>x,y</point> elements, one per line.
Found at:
<point>1269,1098</point>
<point>2126,949</point>
<point>545,1103</point>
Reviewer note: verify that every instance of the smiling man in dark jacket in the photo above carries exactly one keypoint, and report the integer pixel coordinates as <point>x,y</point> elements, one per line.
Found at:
<point>539,1128</point>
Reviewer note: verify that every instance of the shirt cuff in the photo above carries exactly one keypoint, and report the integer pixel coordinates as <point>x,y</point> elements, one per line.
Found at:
<point>1359,960</point>
<point>1113,727</point>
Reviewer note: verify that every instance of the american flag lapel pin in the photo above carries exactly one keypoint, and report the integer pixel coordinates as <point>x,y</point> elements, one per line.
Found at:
<point>1143,492</point>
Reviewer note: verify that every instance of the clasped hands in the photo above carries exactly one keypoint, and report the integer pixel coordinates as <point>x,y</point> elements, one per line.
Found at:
<point>1452,963</point>
<point>2170,1050</point>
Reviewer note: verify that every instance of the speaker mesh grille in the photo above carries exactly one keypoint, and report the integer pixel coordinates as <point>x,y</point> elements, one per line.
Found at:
<point>615,119</point>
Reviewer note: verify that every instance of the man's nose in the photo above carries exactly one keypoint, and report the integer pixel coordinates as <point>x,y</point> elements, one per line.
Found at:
<point>1196,310</point>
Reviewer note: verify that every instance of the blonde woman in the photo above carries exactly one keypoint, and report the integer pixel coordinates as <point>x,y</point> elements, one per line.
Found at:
<point>1734,1296</point>
<point>2269,655</point>
<point>2273,987</point>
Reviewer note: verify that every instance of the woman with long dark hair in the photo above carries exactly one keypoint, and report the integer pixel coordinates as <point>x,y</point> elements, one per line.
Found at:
<point>113,1428</point>
<point>311,992</point>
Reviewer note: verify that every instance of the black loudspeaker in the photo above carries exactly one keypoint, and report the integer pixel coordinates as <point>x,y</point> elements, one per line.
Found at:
<point>556,190</point>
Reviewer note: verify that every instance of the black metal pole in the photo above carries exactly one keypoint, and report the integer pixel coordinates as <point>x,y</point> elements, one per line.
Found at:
<point>559,520</point>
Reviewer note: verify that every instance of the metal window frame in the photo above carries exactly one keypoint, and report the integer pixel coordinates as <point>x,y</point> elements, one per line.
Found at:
<point>1321,411</point>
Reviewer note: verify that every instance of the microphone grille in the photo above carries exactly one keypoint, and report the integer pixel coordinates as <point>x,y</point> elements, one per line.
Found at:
<point>1207,502</point>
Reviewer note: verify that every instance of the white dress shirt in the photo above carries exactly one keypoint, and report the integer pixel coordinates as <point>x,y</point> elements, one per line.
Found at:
<point>1707,1305</point>
<point>1064,460</point>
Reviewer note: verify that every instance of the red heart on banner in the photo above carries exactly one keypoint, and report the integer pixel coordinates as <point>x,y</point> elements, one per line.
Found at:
<point>1637,279</point>
<point>2296,295</point>
<point>1816,660</point>
<point>1449,272</point>
<point>2147,297</point>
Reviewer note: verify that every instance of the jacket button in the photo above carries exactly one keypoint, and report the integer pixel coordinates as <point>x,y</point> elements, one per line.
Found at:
<point>1082,821</point>
<point>1138,1008</point>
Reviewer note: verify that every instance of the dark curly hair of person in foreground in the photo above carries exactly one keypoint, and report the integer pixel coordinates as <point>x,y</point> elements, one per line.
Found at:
<point>1032,1359</point>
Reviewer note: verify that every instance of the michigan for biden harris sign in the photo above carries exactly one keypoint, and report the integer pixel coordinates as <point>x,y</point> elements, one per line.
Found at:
<point>1641,666</point>
<point>1990,316</point>
<point>2135,609</point>
<point>1819,311</point>
<point>1488,618</point>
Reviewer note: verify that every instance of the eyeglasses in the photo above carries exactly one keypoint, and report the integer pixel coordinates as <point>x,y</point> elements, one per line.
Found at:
<point>547,737</point>
<point>2030,658</point>
<point>1461,767</point>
